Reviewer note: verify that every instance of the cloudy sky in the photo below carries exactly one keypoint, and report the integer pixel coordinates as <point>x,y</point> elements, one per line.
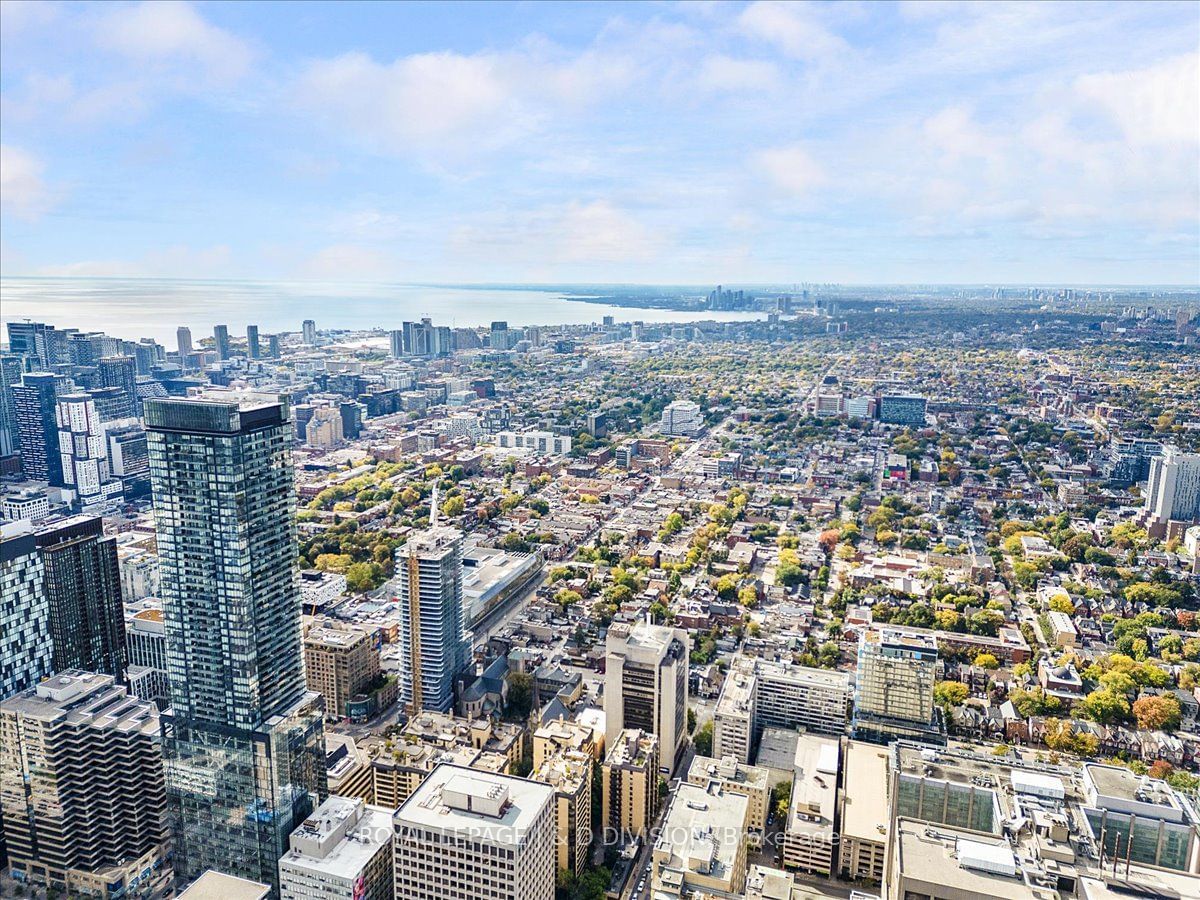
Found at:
<point>652,142</point>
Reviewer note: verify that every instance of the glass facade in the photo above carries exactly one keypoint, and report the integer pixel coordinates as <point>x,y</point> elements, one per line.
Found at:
<point>243,741</point>
<point>1155,842</point>
<point>947,803</point>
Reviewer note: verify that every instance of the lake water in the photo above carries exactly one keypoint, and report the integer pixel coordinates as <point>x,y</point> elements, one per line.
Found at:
<point>133,308</point>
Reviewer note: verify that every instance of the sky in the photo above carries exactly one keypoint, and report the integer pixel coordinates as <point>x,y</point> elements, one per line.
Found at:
<point>539,142</point>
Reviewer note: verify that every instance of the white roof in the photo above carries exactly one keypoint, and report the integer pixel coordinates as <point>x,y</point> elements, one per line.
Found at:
<point>995,858</point>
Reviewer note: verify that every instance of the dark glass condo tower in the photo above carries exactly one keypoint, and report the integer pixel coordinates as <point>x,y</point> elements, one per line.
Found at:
<point>243,740</point>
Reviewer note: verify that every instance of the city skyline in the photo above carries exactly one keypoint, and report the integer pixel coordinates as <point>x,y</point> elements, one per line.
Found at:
<point>747,143</point>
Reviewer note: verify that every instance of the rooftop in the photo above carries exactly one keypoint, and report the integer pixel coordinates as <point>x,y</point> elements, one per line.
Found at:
<point>490,807</point>
<point>339,838</point>
<point>213,885</point>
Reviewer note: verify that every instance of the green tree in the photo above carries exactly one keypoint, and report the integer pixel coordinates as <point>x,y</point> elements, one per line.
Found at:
<point>703,739</point>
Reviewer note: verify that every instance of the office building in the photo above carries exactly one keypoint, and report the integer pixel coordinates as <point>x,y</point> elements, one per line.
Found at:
<point>629,784</point>
<point>433,644</point>
<point>29,503</point>
<point>969,825</point>
<point>902,409</point>
<point>253,350</point>
<point>700,848</point>
<point>36,342</point>
<point>1172,491</point>
<point>473,836</point>
<point>11,367</point>
<point>863,812</point>
<point>221,341</point>
<point>84,448</point>
<point>894,681</point>
<point>352,419</point>
<point>810,836</point>
<point>35,402</point>
<point>545,442</point>
<point>735,777</point>
<point>26,649</point>
<point>309,331</point>
<point>681,417</point>
<point>343,851</point>
<point>82,583</point>
<point>760,694</point>
<point>340,665</point>
<point>570,774</point>
<point>145,634</point>
<point>183,341</point>
<point>128,456</point>
<point>243,740</point>
<point>273,346</point>
<point>396,343</point>
<point>214,885</point>
<point>120,372</point>
<point>81,787</point>
<point>646,685</point>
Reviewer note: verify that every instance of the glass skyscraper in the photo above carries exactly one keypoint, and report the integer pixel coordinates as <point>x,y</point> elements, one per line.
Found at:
<point>243,741</point>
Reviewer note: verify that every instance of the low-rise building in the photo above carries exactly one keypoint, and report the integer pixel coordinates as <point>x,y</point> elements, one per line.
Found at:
<point>343,850</point>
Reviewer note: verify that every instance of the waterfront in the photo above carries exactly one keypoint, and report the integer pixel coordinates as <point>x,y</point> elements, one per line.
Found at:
<point>153,307</point>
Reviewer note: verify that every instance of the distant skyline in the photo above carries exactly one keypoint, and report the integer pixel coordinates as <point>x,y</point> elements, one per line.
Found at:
<point>766,142</point>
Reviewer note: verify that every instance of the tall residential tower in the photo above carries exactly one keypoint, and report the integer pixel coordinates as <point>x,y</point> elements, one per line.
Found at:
<point>243,741</point>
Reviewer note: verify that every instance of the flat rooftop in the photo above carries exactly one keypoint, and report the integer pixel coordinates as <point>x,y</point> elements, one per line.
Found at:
<point>703,823</point>
<point>432,804</point>
<point>213,885</point>
<point>345,854</point>
<point>865,808</point>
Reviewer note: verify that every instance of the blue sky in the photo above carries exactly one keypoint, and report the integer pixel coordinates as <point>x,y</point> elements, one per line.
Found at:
<point>633,142</point>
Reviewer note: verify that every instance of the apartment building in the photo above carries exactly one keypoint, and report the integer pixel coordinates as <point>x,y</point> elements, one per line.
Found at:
<point>630,783</point>
<point>646,685</point>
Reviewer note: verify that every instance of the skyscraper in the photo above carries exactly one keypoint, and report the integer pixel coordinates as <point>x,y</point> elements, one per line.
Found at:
<point>396,343</point>
<point>243,742</point>
<point>82,583</point>
<point>121,372</point>
<point>183,337</point>
<point>273,346</point>
<point>221,340</point>
<point>252,348</point>
<point>309,331</point>
<point>25,647</point>
<point>81,787</point>
<point>84,449</point>
<point>36,403</point>
<point>1172,491</point>
<point>10,375</point>
<point>433,645</point>
<point>646,685</point>
<point>893,696</point>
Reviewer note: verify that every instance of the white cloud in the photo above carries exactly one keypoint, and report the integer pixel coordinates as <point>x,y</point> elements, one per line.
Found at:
<point>177,260</point>
<point>1155,105</point>
<point>22,189</point>
<point>793,27</point>
<point>172,31</point>
<point>792,168</point>
<point>725,73</point>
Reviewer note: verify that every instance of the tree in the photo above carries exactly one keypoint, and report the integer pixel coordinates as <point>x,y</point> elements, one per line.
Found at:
<point>987,661</point>
<point>1035,702</point>
<point>1156,713</point>
<point>748,597</point>
<point>520,695</point>
<point>691,720</point>
<point>566,597</point>
<point>1062,604</point>
<point>361,577</point>
<point>703,739</point>
<point>454,506</point>
<point>950,693</point>
<point>781,798</point>
<point>1105,706</point>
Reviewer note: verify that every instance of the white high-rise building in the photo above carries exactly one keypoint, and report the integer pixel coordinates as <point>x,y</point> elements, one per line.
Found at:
<point>472,835</point>
<point>646,685</point>
<point>681,417</point>
<point>83,445</point>
<point>1173,490</point>
<point>433,644</point>
<point>309,331</point>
